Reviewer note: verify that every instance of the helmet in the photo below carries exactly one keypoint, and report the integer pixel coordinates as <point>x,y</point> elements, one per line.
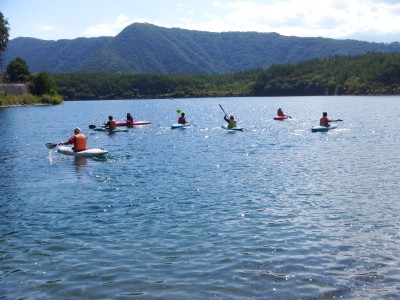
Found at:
<point>231,117</point>
<point>77,130</point>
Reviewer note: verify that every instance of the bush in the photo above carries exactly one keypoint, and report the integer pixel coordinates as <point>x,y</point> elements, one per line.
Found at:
<point>29,99</point>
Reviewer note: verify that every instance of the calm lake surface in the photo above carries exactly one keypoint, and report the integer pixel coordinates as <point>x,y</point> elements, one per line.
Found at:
<point>273,212</point>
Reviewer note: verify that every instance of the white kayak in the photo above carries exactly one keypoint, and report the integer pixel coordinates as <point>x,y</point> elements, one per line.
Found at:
<point>174,126</point>
<point>93,152</point>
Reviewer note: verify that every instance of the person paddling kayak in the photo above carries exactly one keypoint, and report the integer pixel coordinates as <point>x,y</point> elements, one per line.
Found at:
<point>129,119</point>
<point>280,112</point>
<point>324,121</point>
<point>111,124</point>
<point>182,119</point>
<point>78,139</point>
<point>231,121</point>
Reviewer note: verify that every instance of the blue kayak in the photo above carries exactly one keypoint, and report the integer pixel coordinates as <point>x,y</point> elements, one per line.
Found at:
<point>226,127</point>
<point>175,126</point>
<point>323,128</point>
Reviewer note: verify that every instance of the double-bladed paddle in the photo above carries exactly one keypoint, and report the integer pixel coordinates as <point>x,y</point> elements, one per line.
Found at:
<point>223,110</point>
<point>51,145</point>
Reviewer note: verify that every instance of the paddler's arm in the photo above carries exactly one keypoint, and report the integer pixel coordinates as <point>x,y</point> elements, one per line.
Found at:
<point>70,141</point>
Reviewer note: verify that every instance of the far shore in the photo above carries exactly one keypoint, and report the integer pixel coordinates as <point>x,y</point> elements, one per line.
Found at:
<point>20,105</point>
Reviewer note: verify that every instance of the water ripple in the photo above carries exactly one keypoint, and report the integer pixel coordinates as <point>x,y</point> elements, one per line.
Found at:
<point>273,212</point>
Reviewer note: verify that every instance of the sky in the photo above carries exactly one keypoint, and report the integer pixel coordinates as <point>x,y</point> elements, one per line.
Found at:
<point>365,20</point>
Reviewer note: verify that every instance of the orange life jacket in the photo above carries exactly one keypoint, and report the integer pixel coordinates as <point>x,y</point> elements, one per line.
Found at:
<point>80,142</point>
<point>112,125</point>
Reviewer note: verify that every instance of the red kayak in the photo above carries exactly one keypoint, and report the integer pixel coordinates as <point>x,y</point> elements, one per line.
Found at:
<point>135,123</point>
<point>281,118</point>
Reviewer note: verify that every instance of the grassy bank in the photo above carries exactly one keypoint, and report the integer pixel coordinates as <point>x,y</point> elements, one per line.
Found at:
<point>29,99</point>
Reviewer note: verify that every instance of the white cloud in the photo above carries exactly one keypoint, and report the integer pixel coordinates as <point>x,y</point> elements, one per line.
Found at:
<point>327,18</point>
<point>110,29</point>
<point>45,27</point>
<point>339,19</point>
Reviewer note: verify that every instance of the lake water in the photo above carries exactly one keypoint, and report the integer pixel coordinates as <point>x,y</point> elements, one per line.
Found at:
<point>273,212</point>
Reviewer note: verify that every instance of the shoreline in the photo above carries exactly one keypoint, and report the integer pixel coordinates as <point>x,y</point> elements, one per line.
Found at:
<point>22,105</point>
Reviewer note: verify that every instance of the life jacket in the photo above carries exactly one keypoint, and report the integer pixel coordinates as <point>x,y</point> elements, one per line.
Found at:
<point>80,142</point>
<point>324,121</point>
<point>181,120</point>
<point>280,113</point>
<point>112,124</point>
<point>232,123</point>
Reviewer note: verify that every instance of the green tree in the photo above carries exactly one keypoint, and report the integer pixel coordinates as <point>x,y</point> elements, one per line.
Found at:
<point>4,35</point>
<point>43,84</point>
<point>4,32</point>
<point>17,70</point>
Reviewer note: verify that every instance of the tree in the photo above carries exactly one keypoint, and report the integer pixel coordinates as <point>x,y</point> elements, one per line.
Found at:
<point>4,35</point>
<point>43,84</point>
<point>17,70</point>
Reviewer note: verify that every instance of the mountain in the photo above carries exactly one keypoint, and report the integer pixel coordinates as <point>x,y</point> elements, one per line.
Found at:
<point>60,56</point>
<point>146,48</point>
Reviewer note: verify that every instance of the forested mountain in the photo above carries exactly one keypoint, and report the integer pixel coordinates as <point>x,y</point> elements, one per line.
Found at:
<point>146,48</point>
<point>367,74</point>
<point>54,56</point>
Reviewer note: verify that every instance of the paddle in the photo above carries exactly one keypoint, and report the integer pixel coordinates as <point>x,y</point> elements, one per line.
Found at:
<point>223,110</point>
<point>92,126</point>
<point>51,145</point>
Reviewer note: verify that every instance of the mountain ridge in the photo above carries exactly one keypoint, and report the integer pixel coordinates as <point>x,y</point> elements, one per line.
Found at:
<point>147,48</point>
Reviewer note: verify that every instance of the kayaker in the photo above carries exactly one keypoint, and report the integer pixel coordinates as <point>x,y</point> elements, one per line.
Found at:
<point>231,121</point>
<point>182,119</point>
<point>78,139</point>
<point>280,113</point>
<point>324,121</point>
<point>129,119</point>
<point>111,124</point>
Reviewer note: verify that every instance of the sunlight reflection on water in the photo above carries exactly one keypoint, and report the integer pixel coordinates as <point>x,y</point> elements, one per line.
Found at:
<point>274,211</point>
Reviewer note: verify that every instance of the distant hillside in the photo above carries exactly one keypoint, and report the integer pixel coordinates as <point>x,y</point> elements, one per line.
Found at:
<point>367,74</point>
<point>60,56</point>
<point>146,48</point>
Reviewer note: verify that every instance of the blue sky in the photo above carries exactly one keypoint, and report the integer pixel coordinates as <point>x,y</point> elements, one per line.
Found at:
<point>367,20</point>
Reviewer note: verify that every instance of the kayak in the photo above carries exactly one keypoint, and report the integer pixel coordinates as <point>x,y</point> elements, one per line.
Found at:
<point>280,118</point>
<point>135,123</point>
<point>323,128</point>
<point>174,126</point>
<point>108,130</point>
<point>93,152</point>
<point>233,128</point>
